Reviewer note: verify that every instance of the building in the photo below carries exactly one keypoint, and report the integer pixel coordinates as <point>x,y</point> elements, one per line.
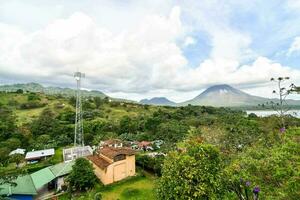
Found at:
<point>38,184</point>
<point>76,152</point>
<point>113,164</point>
<point>145,145</point>
<point>111,143</point>
<point>23,190</point>
<point>17,151</point>
<point>38,155</point>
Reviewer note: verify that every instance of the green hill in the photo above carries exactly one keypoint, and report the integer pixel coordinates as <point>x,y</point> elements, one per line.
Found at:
<point>35,87</point>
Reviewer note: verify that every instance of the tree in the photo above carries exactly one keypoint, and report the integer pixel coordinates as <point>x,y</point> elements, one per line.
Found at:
<point>4,151</point>
<point>7,123</point>
<point>283,92</point>
<point>46,124</point>
<point>13,143</point>
<point>275,170</point>
<point>33,97</point>
<point>127,125</point>
<point>97,101</point>
<point>171,131</point>
<point>82,176</point>
<point>72,101</point>
<point>19,91</point>
<point>194,173</point>
<point>16,158</point>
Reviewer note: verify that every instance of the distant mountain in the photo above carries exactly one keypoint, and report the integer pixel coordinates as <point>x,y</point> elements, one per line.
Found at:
<point>227,96</point>
<point>161,101</point>
<point>35,87</point>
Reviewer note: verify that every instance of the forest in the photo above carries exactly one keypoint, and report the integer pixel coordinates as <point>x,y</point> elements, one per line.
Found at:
<point>212,153</point>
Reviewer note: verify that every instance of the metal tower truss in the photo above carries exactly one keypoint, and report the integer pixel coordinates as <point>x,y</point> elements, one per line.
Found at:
<point>78,137</point>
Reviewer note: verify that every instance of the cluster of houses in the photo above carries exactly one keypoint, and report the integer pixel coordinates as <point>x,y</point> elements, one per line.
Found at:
<point>142,146</point>
<point>113,160</point>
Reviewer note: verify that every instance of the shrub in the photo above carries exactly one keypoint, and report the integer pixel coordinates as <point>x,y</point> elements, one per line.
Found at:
<point>130,192</point>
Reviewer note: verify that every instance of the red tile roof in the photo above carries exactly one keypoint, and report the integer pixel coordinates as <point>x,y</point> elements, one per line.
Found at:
<point>111,152</point>
<point>98,161</point>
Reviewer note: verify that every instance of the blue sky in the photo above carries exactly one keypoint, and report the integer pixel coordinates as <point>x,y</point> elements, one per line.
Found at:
<point>141,49</point>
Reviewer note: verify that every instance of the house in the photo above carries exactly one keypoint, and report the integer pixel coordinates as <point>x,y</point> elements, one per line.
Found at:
<point>145,145</point>
<point>38,184</point>
<point>111,143</point>
<point>17,151</point>
<point>38,155</point>
<point>113,164</point>
<point>23,190</point>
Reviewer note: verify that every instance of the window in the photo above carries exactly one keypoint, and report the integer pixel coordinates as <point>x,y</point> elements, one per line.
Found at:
<point>119,157</point>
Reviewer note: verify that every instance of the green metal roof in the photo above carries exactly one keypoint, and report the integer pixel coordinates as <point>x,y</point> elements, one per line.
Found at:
<point>24,186</point>
<point>42,177</point>
<point>29,184</point>
<point>62,169</point>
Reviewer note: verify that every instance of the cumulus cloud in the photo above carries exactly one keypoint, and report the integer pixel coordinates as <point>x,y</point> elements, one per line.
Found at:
<point>143,60</point>
<point>295,46</point>
<point>189,41</point>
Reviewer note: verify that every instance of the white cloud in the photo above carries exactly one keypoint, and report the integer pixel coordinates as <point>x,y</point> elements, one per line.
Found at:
<point>141,60</point>
<point>189,41</point>
<point>295,46</point>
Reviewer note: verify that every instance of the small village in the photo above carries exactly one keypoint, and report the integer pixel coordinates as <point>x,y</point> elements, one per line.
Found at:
<point>149,100</point>
<point>113,160</point>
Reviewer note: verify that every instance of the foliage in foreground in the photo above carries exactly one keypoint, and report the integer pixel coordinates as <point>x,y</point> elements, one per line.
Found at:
<point>194,173</point>
<point>82,176</point>
<point>274,170</point>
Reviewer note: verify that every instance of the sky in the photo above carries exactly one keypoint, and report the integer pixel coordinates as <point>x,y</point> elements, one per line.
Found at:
<point>151,48</point>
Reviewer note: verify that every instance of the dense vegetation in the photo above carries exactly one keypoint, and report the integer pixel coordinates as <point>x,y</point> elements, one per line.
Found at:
<point>82,176</point>
<point>230,155</point>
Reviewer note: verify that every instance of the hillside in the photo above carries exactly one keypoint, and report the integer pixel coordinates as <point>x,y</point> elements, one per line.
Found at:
<point>227,96</point>
<point>161,101</point>
<point>48,122</point>
<point>35,87</point>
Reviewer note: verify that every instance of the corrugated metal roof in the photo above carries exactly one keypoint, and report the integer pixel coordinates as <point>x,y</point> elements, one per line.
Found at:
<point>42,177</point>
<point>40,153</point>
<point>62,169</point>
<point>29,184</point>
<point>24,186</point>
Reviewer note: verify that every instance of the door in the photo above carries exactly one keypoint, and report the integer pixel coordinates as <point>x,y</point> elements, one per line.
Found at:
<point>119,172</point>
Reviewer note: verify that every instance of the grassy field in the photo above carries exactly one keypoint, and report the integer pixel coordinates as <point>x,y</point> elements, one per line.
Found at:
<point>136,188</point>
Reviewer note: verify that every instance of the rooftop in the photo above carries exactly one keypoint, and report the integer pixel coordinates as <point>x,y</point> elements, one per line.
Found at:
<point>111,152</point>
<point>18,151</point>
<point>40,153</point>
<point>25,186</point>
<point>29,184</point>
<point>98,161</point>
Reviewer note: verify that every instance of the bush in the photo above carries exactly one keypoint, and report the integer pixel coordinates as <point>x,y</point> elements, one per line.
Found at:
<point>32,104</point>
<point>194,173</point>
<point>130,193</point>
<point>82,176</point>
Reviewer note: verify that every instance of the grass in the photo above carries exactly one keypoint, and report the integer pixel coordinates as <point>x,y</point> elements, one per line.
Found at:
<point>58,156</point>
<point>134,188</point>
<point>27,115</point>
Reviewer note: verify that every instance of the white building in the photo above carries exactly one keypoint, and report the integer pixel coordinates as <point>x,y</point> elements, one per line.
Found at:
<point>38,155</point>
<point>76,152</point>
<point>17,151</point>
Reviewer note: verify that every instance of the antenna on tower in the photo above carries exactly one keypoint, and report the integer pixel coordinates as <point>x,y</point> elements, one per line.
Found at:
<point>78,137</point>
<point>79,150</point>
